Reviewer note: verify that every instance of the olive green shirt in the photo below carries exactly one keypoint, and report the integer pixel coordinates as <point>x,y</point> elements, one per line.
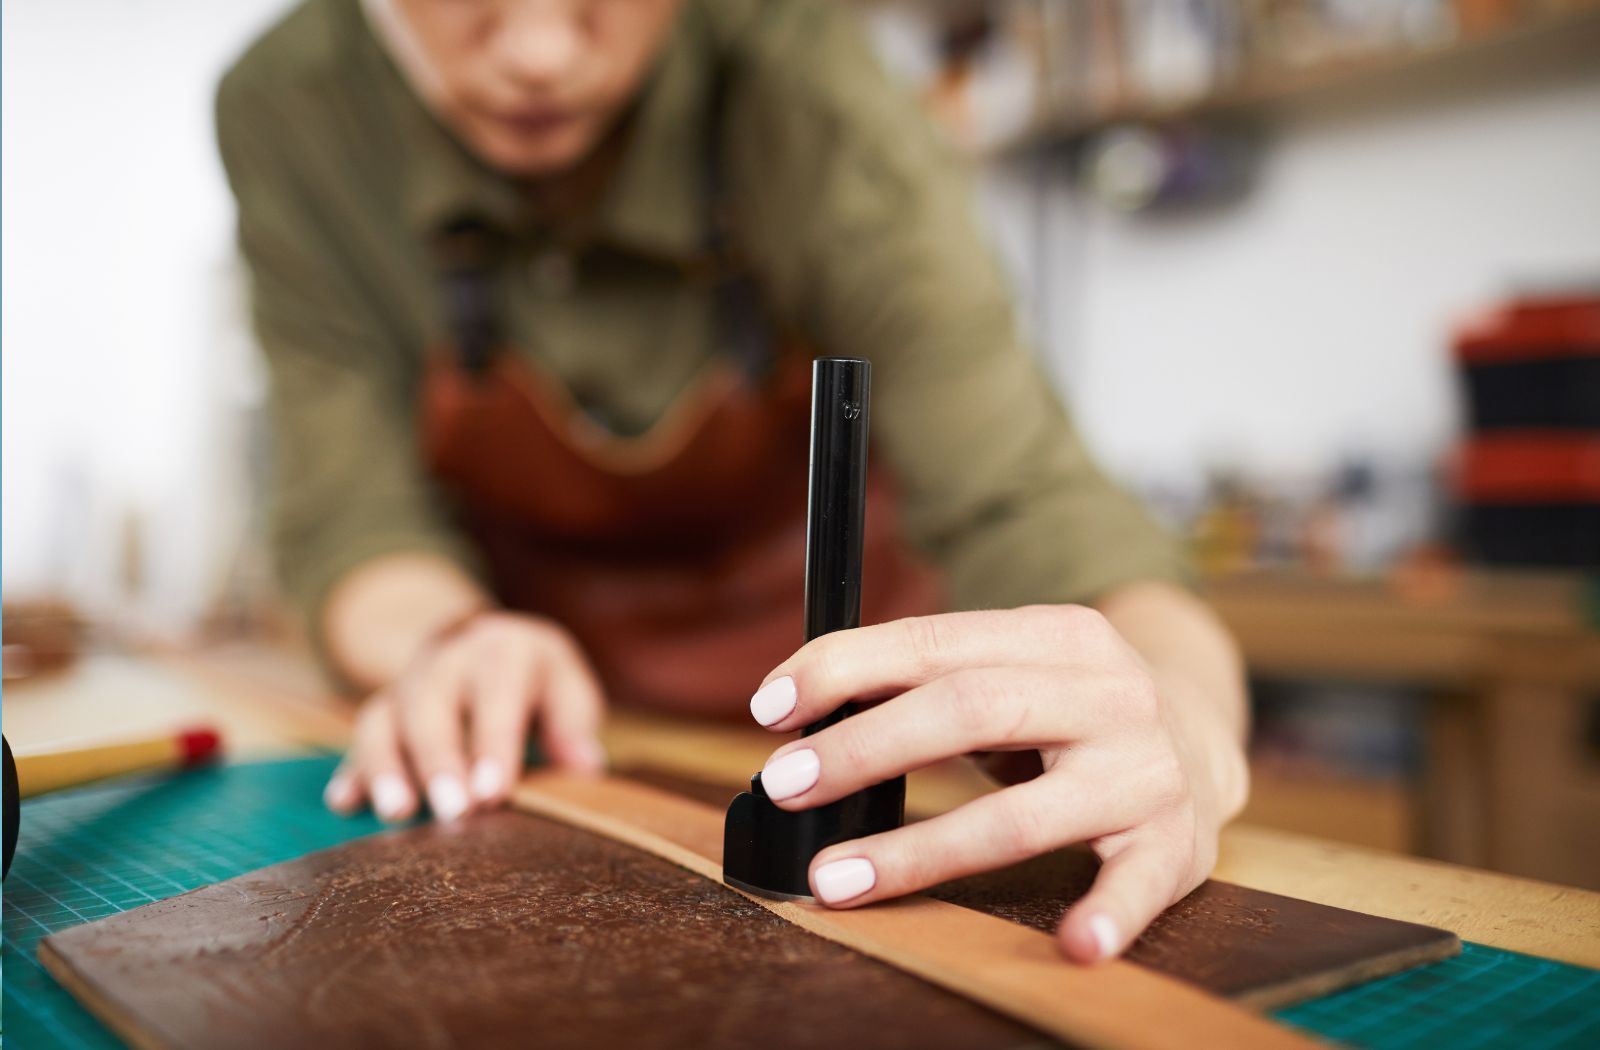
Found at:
<point>854,220</point>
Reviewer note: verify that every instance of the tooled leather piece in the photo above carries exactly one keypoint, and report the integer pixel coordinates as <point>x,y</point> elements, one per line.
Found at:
<point>1237,942</point>
<point>507,930</point>
<point>1233,941</point>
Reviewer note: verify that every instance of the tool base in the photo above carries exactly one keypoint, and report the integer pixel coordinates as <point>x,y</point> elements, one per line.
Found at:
<point>767,851</point>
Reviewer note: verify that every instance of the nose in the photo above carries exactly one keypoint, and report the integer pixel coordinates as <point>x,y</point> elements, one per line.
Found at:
<point>538,42</point>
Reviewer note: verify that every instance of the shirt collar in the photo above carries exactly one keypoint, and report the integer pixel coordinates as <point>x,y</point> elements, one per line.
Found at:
<point>656,201</point>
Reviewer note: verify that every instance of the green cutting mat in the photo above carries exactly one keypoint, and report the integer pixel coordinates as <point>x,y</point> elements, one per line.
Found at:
<point>89,853</point>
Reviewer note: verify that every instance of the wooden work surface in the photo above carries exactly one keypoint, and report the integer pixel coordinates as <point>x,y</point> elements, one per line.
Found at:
<point>1487,627</point>
<point>1510,666</point>
<point>272,703</point>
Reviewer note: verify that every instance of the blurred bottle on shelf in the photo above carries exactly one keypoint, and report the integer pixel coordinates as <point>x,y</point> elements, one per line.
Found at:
<point>1363,516</point>
<point>1136,168</point>
<point>984,86</point>
<point>1225,535</point>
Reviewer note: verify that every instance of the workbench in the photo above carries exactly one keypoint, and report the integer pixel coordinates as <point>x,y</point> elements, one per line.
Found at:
<point>1510,666</point>
<point>271,705</point>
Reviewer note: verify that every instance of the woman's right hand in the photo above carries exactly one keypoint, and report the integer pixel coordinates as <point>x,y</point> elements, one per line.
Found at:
<point>454,724</point>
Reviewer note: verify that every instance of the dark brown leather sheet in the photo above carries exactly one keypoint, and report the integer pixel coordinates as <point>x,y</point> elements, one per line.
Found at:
<point>506,931</point>
<point>1260,948</point>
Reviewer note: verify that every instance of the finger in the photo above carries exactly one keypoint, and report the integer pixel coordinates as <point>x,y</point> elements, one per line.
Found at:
<point>429,702</point>
<point>344,793</point>
<point>503,696</point>
<point>985,709</point>
<point>889,658</point>
<point>1132,888</point>
<point>570,710</point>
<point>989,832</point>
<point>380,763</point>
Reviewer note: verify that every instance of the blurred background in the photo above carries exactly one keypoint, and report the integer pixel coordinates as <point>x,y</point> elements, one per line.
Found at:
<point>1319,278</point>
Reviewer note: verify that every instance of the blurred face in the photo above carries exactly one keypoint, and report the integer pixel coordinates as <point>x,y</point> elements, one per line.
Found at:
<point>531,86</point>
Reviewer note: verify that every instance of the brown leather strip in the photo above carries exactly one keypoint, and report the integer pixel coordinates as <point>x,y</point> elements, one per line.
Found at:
<point>1258,949</point>
<point>1008,967</point>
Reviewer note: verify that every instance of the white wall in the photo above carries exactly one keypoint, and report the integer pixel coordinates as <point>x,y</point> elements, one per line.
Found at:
<point>122,348</point>
<point>1313,318</point>
<point>1308,321</point>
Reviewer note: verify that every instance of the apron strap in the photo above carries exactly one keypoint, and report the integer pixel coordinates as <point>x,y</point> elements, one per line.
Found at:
<point>742,323</point>
<point>468,250</point>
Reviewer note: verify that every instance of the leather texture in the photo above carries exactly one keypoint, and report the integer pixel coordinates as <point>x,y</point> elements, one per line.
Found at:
<point>505,931</point>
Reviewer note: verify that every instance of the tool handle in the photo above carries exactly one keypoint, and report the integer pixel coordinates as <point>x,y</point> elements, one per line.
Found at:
<point>52,770</point>
<point>841,393</point>
<point>13,807</point>
<point>767,850</point>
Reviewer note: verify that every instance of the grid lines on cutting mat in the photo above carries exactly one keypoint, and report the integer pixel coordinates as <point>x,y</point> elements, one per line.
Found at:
<point>93,852</point>
<point>1484,997</point>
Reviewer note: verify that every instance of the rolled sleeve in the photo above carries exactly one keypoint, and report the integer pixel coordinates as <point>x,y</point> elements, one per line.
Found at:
<point>347,485</point>
<point>867,234</point>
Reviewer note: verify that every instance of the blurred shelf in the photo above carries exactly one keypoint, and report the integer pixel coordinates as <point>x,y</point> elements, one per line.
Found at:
<point>1085,74</point>
<point>1490,626</point>
<point>1263,87</point>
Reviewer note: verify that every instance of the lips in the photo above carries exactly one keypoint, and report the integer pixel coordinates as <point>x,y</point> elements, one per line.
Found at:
<point>533,122</point>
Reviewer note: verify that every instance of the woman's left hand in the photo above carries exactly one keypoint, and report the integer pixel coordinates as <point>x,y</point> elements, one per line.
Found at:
<point>1145,776</point>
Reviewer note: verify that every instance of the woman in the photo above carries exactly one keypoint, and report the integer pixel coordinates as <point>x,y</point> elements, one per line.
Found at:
<point>538,281</point>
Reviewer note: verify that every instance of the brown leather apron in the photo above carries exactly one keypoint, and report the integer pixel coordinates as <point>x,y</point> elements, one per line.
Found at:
<point>677,557</point>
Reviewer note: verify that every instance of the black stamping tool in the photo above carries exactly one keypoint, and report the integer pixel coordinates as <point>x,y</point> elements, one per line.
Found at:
<point>767,850</point>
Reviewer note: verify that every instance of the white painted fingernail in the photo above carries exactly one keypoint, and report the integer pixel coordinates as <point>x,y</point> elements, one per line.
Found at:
<point>1105,935</point>
<point>390,795</point>
<point>774,701</point>
<point>789,775</point>
<point>842,880</point>
<point>487,779</point>
<point>446,797</point>
<point>338,794</point>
